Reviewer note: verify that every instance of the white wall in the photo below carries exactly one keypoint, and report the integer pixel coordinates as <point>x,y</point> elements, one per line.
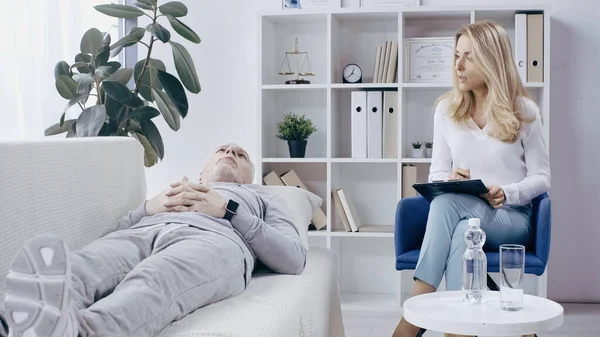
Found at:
<point>225,111</point>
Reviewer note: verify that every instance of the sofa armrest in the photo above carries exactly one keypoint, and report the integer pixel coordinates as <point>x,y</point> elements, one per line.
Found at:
<point>542,218</point>
<point>411,221</point>
<point>76,188</point>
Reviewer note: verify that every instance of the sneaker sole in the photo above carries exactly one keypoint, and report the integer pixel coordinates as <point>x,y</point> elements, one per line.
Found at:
<point>37,288</point>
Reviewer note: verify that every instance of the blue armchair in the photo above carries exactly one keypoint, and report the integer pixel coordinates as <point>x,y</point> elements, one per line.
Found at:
<point>411,220</point>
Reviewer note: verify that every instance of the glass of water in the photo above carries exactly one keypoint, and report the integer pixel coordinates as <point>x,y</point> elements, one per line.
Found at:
<point>512,273</point>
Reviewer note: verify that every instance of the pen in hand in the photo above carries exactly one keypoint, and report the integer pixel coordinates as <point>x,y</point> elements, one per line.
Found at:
<point>460,174</point>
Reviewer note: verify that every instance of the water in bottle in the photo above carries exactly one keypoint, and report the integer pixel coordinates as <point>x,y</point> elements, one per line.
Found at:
<point>474,280</point>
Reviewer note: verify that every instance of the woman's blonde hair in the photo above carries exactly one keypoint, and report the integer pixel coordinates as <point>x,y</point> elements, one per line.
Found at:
<point>492,55</point>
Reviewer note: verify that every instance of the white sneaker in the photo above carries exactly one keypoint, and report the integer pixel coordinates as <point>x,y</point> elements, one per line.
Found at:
<point>37,291</point>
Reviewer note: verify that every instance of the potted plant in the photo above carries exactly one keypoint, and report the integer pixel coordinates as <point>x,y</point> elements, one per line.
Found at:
<point>295,130</point>
<point>417,151</point>
<point>117,101</point>
<point>428,148</point>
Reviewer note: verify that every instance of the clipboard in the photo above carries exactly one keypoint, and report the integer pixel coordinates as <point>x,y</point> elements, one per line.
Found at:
<point>431,190</point>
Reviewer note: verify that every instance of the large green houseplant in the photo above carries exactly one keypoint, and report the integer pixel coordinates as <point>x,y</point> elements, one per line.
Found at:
<point>119,110</point>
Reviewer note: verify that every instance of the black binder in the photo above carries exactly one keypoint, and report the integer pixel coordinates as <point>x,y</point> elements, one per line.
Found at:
<point>431,190</point>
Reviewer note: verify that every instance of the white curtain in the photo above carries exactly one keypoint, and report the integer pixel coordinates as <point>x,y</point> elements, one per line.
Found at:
<point>34,36</point>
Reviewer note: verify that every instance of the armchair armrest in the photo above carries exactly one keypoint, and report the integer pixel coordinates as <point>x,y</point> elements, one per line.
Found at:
<point>542,218</point>
<point>411,221</point>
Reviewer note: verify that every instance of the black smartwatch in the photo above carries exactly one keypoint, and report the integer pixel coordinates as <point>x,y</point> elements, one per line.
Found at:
<point>230,210</point>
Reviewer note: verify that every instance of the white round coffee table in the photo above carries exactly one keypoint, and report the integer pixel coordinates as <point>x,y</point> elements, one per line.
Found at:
<point>445,311</point>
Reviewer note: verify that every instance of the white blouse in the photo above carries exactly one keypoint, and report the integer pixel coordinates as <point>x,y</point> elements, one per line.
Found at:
<point>521,169</point>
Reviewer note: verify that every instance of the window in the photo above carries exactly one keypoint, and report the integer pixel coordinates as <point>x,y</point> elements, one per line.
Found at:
<point>37,34</point>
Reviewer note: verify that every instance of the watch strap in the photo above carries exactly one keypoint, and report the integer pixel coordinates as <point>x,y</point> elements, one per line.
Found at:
<point>230,210</point>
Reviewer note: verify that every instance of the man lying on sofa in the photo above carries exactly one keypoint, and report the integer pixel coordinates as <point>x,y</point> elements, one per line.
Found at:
<point>191,246</point>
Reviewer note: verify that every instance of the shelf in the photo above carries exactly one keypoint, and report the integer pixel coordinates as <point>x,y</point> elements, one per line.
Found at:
<point>407,85</point>
<point>355,38</point>
<point>277,103</point>
<point>416,160</point>
<point>427,85</point>
<point>287,17</point>
<point>364,160</point>
<point>372,188</point>
<point>279,34</point>
<point>369,302</point>
<point>421,23</point>
<point>346,86</point>
<point>335,37</point>
<point>294,86</point>
<point>535,85</point>
<point>320,233</point>
<point>294,160</point>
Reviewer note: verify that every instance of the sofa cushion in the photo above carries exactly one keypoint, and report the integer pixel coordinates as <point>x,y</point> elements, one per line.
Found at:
<point>301,203</point>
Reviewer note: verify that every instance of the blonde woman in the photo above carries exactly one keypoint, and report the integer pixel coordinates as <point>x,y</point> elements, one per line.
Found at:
<point>486,128</point>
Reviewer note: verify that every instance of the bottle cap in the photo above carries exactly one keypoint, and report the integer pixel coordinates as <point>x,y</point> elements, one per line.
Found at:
<point>474,222</point>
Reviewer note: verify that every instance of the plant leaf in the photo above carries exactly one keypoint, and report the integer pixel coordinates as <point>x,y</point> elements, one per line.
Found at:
<point>66,87</point>
<point>159,32</point>
<point>119,11</point>
<point>103,54</point>
<point>57,129</point>
<point>117,91</point>
<point>150,157</point>
<point>72,130</point>
<point>174,90</point>
<point>114,65</point>
<point>62,68</point>
<point>121,75</point>
<point>143,6</point>
<point>138,32</point>
<point>83,58</point>
<point>91,41</point>
<point>185,67</point>
<point>126,41</point>
<point>150,78</point>
<point>144,112</point>
<point>153,135</point>
<point>113,108</point>
<point>103,71</point>
<point>167,108</point>
<point>183,30</point>
<point>90,121</point>
<point>62,119</point>
<point>84,83</point>
<point>148,2</point>
<point>79,98</point>
<point>173,8</point>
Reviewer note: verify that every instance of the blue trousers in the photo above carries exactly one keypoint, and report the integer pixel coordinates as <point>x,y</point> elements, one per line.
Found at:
<point>443,245</point>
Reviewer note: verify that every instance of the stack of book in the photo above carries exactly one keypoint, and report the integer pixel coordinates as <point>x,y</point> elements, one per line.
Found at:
<point>386,62</point>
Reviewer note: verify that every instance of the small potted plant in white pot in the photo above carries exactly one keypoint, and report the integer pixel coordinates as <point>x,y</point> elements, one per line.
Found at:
<point>417,150</point>
<point>295,130</point>
<point>428,148</point>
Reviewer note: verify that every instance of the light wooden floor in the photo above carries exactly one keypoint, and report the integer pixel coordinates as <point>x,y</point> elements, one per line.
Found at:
<point>581,320</point>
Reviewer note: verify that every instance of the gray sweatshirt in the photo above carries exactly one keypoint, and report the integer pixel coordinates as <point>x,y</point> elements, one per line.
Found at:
<point>262,227</point>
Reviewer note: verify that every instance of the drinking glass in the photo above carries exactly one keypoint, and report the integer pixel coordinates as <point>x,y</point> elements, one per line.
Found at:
<point>512,267</point>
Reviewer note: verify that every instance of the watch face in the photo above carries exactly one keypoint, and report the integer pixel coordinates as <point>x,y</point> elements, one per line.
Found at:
<point>352,73</point>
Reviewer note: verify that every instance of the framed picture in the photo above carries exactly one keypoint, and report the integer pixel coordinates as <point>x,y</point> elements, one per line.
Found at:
<point>401,3</point>
<point>310,4</point>
<point>429,60</point>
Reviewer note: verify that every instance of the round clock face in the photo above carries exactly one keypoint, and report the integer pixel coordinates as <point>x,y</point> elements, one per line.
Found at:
<point>352,73</point>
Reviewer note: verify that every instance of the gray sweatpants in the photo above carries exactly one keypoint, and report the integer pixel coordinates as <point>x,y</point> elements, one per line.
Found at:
<point>135,282</point>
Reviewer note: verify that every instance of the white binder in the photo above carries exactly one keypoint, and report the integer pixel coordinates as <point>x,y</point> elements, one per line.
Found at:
<point>358,116</point>
<point>521,45</point>
<point>390,124</point>
<point>375,124</point>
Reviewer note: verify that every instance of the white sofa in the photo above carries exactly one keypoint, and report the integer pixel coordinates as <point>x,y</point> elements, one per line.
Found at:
<point>77,188</point>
